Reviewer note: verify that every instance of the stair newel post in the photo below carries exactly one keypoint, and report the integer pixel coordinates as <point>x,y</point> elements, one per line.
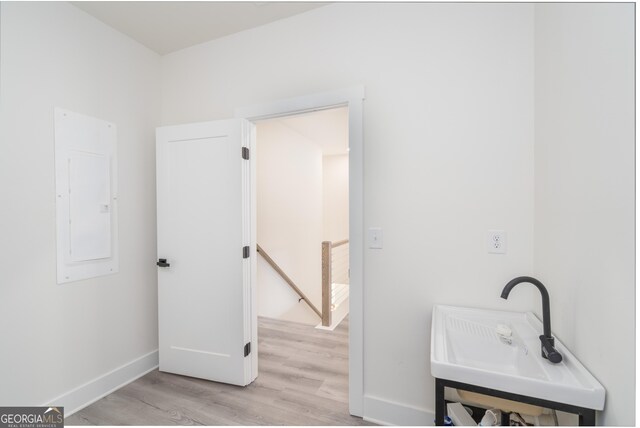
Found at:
<point>326,283</point>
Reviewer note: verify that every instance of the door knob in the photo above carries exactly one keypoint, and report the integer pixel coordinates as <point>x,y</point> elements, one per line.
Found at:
<point>163,263</point>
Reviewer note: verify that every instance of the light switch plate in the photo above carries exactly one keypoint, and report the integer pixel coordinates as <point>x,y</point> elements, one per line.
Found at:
<point>374,238</point>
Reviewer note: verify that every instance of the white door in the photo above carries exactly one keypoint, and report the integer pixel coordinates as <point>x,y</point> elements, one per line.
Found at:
<point>206,250</point>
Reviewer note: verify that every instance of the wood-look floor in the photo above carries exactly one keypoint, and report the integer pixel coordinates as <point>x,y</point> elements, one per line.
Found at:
<point>302,380</point>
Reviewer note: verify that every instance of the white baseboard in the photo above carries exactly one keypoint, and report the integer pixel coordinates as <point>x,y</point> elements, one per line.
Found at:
<point>90,392</point>
<point>385,412</point>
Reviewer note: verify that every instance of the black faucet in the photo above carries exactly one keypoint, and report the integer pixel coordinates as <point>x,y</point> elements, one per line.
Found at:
<point>547,342</point>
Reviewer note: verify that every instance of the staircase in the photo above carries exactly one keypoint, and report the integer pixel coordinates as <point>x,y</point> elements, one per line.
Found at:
<point>335,280</point>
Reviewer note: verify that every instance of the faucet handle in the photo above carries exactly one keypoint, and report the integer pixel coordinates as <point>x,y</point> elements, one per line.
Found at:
<point>548,350</point>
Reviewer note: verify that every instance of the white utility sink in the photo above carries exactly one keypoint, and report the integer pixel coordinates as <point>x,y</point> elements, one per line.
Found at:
<point>465,347</point>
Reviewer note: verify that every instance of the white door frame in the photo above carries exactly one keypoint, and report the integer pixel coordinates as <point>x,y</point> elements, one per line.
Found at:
<point>353,98</point>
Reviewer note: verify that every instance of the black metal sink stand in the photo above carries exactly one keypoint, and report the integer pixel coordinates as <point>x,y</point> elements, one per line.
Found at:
<point>586,417</point>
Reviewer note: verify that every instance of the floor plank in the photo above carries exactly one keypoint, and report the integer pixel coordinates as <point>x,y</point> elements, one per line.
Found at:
<point>302,380</point>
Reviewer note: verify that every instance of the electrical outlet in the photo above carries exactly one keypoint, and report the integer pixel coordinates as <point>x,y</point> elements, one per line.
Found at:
<point>497,242</point>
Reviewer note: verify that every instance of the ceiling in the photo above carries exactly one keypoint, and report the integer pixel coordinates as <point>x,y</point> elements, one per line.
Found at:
<point>168,26</point>
<point>327,128</point>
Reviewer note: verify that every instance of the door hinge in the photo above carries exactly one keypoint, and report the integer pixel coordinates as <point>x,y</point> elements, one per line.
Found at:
<point>245,252</point>
<point>245,153</point>
<point>247,349</point>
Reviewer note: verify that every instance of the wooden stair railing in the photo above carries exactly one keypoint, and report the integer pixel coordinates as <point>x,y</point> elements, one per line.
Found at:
<point>289,281</point>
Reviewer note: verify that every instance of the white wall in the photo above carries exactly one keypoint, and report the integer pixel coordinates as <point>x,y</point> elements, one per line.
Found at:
<point>335,197</point>
<point>448,146</point>
<point>584,188</point>
<point>57,337</point>
<point>276,299</point>
<point>289,221</point>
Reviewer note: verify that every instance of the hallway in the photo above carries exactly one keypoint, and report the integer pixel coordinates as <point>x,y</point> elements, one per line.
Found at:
<point>302,380</point>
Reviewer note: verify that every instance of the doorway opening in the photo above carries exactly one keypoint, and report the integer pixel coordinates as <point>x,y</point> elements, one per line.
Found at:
<point>302,200</point>
<point>353,99</point>
<point>303,217</point>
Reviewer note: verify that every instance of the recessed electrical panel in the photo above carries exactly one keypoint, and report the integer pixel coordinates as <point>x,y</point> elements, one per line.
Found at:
<point>86,196</point>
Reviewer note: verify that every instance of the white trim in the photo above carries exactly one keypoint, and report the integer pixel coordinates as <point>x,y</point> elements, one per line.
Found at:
<point>307,103</point>
<point>385,412</point>
<point>353,98</point>
<point>92,391</point>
